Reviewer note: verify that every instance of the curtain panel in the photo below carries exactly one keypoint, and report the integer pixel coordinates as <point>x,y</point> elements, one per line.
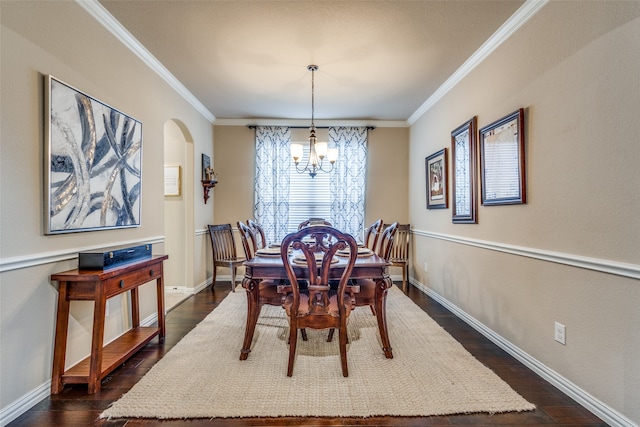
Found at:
<point>348,179</point>
<point>273,160</point>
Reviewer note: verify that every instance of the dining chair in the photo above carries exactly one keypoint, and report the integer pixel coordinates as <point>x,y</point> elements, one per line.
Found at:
<point>319,307</point>
<point>366,288</point>
<point>400,252</point>
<point>224,251</point>
<point>367,293</point>
<point>313,221</point>
<point>258,231</point>
<point>371,235</point>
<point>268,289</point>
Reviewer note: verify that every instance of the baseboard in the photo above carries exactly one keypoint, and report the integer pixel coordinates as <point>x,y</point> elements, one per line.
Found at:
<point>178,290</point>
<point>597,407</point>
<point>26,402</point>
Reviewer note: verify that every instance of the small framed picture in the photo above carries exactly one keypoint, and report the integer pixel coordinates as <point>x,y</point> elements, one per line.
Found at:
<point>464,150</point>
<point>502,161</point>
<point>436,179</point>
<point>171,180</point>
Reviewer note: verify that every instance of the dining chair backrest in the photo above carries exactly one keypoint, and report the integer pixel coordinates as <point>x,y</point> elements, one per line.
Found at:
<point>399,256</point>
<point>258,231</point>
<point>248,238</point>
<point>222,241</point>
<point>224,253</point>
<point>387,238</point>
<point>313,221</point>
<point>371,235</point>
<point>320,306</point>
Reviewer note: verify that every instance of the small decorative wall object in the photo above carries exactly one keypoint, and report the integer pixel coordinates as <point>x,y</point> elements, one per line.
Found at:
<point>465,188</point>
<point>437,181</point>
<point>93,163</point>
<point>502,161</point>
<point>206,164</point>
<point>171,180</point>
<point>208,177</point>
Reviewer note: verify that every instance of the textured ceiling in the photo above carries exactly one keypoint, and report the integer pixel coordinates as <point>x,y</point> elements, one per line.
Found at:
<point>378,60</point>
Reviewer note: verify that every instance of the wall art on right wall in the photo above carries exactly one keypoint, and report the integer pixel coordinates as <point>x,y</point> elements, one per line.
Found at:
<point>502,161</point>
<point>464,148</point>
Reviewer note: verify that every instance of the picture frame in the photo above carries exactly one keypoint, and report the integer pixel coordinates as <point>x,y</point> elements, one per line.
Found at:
<point>93,163</point>
<point>206,165</point>
<point>172,182</point>
<point>436,173</point>
<point>464,148</point>
<point>502,161</point>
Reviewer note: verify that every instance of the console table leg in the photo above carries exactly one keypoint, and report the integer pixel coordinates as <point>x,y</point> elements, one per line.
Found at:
<point>60,347</point>
<point>161,315</point>
<point>95,366</point>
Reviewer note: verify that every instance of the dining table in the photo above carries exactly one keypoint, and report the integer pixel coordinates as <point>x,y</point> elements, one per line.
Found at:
<point>271,268</point>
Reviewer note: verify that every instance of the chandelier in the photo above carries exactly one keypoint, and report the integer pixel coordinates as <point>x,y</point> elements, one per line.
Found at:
<point>318,151</point>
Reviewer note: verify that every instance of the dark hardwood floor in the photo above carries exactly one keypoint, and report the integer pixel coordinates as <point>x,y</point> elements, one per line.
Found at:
<point>74,407</point>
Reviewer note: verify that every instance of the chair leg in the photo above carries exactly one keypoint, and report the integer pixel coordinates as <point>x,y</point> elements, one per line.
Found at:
<point>303,332</point>
<point>233,279</point>
<point>215,273</point>
<point>405,273</point>
<point>330,336</point>
<point>373,309</point>
<point>293,340</point>
<point>343,349</point>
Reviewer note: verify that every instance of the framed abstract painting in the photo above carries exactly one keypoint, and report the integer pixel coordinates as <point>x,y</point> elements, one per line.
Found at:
<point>93,163</point>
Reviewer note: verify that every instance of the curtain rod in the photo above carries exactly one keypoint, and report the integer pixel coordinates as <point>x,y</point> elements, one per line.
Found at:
<point>307,127</point>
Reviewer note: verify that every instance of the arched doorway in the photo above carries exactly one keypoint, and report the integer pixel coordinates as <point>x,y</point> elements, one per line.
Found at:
<point>178,215</point>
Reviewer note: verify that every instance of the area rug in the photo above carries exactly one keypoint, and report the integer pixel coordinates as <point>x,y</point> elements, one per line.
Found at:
<point>430,374</point>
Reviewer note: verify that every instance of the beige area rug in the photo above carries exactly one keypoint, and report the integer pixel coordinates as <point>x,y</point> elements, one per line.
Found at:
<point>430,374</point>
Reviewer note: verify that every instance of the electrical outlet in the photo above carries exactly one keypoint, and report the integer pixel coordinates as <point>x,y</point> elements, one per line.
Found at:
<point>560,333</point>
<point>425,266</point>
<point>106,309</point>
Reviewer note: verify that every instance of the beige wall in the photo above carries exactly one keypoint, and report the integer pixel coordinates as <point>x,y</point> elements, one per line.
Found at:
<point>387,175</point>
<point>61,39</point>
<point>574,67</point>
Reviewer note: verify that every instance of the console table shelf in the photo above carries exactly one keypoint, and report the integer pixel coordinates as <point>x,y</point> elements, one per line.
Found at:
<point>100,285</point>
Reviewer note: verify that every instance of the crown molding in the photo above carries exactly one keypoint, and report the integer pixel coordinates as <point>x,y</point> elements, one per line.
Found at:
<point>306,123</point>
<point>100,14</point>
<point>506,30</point>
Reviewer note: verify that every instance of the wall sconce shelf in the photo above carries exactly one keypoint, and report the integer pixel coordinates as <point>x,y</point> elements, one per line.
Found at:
<point>208,185</point>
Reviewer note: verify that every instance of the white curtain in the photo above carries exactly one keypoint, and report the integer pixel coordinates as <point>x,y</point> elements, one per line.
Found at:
<point>273,162</point>
<point>348,178</point>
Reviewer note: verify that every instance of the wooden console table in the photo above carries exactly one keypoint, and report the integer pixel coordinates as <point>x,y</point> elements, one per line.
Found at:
<point>98,286</point>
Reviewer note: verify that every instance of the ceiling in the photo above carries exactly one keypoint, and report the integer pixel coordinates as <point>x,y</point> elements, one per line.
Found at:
<point>378,60</point>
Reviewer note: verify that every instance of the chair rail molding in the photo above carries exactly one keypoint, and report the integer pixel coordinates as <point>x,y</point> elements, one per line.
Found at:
<point>596,264</point>
<point>33,260</point>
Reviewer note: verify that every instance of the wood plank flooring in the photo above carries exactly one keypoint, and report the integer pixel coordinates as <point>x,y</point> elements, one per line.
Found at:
<point>74,407</point>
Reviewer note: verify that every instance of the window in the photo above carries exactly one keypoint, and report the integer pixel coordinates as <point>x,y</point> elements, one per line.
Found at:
<point>308,197</point>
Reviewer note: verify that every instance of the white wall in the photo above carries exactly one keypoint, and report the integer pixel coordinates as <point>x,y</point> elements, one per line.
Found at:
<point>61,39</point>
<point>574,67</point>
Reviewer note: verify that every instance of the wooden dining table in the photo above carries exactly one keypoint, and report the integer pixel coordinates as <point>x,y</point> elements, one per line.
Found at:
<point>272,268</point>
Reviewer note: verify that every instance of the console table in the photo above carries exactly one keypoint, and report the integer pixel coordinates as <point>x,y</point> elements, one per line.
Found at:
<point>98,286</point>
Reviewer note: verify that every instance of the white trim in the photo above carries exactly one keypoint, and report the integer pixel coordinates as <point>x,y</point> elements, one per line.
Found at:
<point>306,123</point>
<point>204,284</point>
<point>506,30</point>
<point>596,264</point>
<point>597,407</point>
<point>26,402</point>
<point>33,260</point>
<point>183,290</point>
<point>100,14</point>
